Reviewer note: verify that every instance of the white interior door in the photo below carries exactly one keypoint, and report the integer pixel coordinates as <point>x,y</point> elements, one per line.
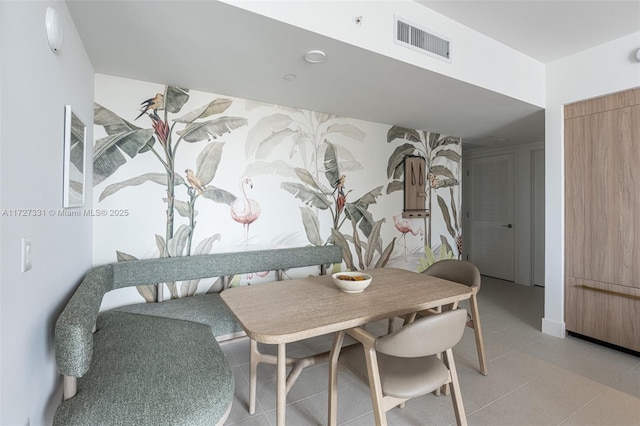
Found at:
<point>491,215</point>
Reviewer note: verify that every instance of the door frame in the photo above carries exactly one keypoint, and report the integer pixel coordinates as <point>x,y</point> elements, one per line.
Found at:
<point>504,270</point>
<point>523,203</point>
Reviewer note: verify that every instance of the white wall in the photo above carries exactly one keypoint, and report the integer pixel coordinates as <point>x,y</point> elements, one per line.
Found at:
<point>523,199</point>
<point>36,84</point>
<point>475,58</point>
<point>604,69</point>
<point>537,225</point>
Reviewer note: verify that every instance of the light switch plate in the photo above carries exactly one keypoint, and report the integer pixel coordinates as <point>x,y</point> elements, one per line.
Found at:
<point>26,254</point>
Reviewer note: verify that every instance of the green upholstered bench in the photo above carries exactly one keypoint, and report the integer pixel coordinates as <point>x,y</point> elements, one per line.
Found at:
<point>151,371</point>
<point>157,363</point>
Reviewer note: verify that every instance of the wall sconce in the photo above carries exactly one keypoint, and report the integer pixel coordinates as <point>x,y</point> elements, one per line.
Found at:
<point>54,29</point>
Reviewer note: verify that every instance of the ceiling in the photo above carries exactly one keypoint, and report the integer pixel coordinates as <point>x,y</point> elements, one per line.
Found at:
<point>545,30</point>
<point>214,47</point>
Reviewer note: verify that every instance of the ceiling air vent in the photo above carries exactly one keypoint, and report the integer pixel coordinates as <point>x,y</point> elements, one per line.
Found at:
<point>421,40</point>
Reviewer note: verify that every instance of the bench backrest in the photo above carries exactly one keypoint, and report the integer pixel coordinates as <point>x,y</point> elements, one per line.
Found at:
<point>74,327</point>
<point>169,269</point>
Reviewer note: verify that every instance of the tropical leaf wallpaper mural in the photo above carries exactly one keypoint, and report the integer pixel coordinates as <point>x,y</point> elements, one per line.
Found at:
<point>194,173</point>
<point>319,168</point>
<point>443,155</point>
<point>162,140</point>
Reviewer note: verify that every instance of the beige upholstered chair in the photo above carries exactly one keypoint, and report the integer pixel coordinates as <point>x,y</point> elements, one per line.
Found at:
<point>403,364</point>
<point>466,273</point>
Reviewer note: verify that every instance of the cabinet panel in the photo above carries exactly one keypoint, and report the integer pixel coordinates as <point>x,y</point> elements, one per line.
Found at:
<point>614,225</point>
<point>603,103</point>
<point>602,154</point>
<point>602,218</point>
<point>578,205</point>
<point>605,312</point>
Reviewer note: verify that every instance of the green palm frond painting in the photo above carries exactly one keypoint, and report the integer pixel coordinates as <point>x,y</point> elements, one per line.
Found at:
<point>125,141</point>
<point>442,156</point>
<point>319,169</point>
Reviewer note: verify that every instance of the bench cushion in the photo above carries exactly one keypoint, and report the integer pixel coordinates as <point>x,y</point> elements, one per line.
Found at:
<point>149,370</point>
<point>208,309</point>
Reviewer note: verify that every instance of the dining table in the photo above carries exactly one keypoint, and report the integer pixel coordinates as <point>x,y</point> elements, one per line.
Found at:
<point>288,311</point>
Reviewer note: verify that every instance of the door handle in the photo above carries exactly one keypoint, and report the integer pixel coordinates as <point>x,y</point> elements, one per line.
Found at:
<point>507,226</point>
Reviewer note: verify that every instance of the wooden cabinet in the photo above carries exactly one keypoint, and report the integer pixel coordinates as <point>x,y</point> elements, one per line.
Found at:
<point>602,218</point>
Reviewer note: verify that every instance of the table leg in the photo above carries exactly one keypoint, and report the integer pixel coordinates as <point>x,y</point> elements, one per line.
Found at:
<point>281,397</point>
<point>301,363</point>
<point>333,377</point>
<point>297,364</point>
<point>253,374</point>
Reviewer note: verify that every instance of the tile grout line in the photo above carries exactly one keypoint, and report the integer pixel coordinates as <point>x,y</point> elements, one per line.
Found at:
<point>583,406</point>
<point>507,394</point>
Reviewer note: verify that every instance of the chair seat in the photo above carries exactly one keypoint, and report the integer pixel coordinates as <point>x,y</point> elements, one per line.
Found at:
<point>400,377</point>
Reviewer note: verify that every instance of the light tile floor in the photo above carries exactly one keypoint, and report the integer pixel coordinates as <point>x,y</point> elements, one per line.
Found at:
<point>534,379</point>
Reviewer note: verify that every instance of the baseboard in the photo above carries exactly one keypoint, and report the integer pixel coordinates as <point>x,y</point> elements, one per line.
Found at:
<point>603,343</point>
<point>554,328</point>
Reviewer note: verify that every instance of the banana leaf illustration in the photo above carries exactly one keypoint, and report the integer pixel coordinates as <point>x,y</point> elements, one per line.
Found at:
<point>309,196</point>
<point>452,222</point>
<point>302,133</point>
<point>197,131</point>
<point>311,225</point>
<point>365,250</point>
<point>159,178</point>
<point>124,139</point>
<point>444,252</point>
<point>434,148</point>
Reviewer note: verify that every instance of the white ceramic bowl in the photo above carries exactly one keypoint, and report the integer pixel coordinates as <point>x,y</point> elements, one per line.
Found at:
<point>349,286</point>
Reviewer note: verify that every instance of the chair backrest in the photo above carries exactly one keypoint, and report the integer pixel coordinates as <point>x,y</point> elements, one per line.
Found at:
<point>460,271</point>
<point>425,336</point>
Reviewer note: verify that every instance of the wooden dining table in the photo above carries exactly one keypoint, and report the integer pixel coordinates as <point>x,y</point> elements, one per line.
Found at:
<point>292,310</point>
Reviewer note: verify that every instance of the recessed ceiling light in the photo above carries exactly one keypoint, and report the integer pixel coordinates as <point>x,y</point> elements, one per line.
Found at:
<point>290,77</point>
<point>315,56</point>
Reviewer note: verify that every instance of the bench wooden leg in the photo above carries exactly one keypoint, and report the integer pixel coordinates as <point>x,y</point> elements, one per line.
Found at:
<point>69,387</point>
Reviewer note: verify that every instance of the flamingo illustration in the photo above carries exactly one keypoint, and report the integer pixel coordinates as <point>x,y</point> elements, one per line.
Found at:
<point>405,225</point>
<point>259,274</point>
<point>245,210</point>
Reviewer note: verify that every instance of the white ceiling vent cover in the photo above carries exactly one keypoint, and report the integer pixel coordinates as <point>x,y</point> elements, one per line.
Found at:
<point>421,40</point>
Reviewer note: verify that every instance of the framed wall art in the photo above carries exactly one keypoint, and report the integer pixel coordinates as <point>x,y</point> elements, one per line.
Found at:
<point>74,162</point>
